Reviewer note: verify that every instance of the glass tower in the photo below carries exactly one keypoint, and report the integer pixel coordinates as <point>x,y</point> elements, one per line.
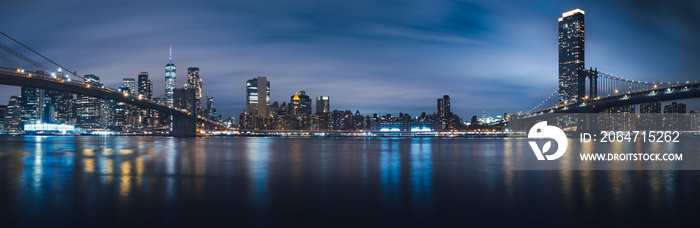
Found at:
<point>571,56</point>
<point>169,80</point>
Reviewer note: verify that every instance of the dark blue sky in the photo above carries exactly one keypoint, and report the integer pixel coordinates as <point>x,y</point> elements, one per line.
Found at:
<point>375,56</point>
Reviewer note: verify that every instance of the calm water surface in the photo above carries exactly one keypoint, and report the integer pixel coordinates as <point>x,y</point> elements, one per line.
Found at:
<point>85,181</point>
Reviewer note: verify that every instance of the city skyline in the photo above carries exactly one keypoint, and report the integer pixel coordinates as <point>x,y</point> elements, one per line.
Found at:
<point>384,87</point>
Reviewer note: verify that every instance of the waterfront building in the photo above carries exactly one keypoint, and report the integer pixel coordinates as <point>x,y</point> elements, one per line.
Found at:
<point>12,117</point>
<point>675,107</point>
<point>675,117</point>
<point>63,105</point>
<point>571,56</point>
<point>444,114</point>
<point>29,104</point>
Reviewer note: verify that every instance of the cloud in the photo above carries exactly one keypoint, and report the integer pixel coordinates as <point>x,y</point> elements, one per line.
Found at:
<point>376,56</point>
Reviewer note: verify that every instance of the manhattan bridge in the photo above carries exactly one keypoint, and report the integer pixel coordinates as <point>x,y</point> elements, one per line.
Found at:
<point>21,65</point>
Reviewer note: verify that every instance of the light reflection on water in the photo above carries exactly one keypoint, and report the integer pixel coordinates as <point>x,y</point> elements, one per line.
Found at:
<point>258,154</point>
<point>80,181</point>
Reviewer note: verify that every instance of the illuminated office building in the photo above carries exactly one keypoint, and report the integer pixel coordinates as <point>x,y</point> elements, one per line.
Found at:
<point>194,83</point>
<point>323,104</point>
<point>443,106</point>
<point>170,77</point>
<point>145,86</point>
<point>305,106</point>
<point>300,104</point>
<point>131,84</point>
<point>88,108</point>
<point>29,103</point>
<point>258,96</point>
<point>13,118</point>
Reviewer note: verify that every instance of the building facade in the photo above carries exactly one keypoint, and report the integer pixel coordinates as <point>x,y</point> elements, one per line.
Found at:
<point>258,96</point>
<point>571,56</point>
<point>130,83</point>
<point>194,83</point>
<point>13,118</point>
<point>145,86</point>
<point>170,79</point>
<point>323,104</point>
<point>29,104</point>
<point>88,108</point>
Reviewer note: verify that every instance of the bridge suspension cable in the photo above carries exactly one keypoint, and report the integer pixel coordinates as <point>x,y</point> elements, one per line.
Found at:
<point>610,85</point>
<point>545,103</point>
<point>16,56</point>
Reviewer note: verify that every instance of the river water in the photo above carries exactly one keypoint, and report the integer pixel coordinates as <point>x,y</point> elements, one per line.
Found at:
<point>93,181</point>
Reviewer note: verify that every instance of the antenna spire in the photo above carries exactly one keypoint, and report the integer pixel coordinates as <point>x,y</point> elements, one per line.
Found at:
<point>171,54</point>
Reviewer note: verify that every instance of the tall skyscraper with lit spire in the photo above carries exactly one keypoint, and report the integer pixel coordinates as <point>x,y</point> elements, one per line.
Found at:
<point>169,79</point>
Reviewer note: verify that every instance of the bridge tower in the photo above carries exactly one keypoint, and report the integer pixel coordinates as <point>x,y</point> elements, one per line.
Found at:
<point>592,76</point>
<point>185,125</point>
<point>593,83</point>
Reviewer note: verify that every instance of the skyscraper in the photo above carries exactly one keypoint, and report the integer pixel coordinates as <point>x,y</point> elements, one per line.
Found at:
<point>145,89</point>
<point>13,118</point>
<point>300,104</point>
<point>675,116</point>
<point>444,117</point>
<point>194,82</point>
<point>88,108</point>
<point>295,105</point>
<point>64,106</point>
<point>170,80</point>
<point>258,96</point>
<point>131,84</point>
<point>121,111</point>
<point>210,110</point>
<point>323,104</point>
<point>443,106</point>
<point>29,103</point>
<point>107,113</point>
<point>305,107</point>
<point>571,56</point>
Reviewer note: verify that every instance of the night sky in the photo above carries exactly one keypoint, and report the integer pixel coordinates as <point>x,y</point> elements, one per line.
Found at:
<point>375,56</point>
